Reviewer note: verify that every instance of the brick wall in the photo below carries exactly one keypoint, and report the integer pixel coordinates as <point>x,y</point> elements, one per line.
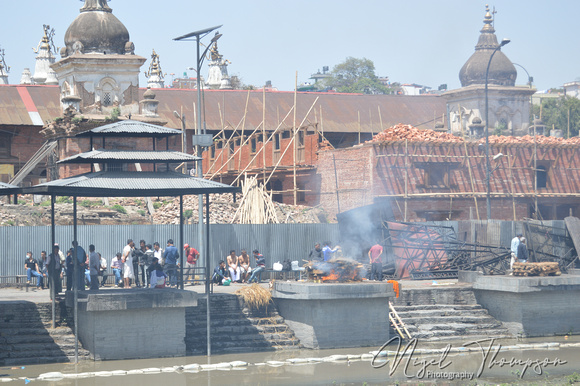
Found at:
<point>436,177</point>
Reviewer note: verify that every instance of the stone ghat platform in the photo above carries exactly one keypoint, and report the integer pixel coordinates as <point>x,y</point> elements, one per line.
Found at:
<point>122,324</point>
<point>530,306</point>
<point>335,315</point>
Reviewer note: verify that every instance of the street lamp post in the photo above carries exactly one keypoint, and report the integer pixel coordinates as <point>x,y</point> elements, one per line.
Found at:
<point>198,35</point>
<point>487,164</point>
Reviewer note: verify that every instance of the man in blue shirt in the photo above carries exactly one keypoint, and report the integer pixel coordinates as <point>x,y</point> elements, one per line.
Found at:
<point>170,255</point>
<point>327,251</point>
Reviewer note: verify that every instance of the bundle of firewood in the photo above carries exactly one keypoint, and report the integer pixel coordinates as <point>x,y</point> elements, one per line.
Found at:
<point>536,269</point>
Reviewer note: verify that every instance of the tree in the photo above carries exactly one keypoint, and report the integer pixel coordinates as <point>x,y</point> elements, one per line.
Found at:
<point>554,113</point>
<point>356,76</point>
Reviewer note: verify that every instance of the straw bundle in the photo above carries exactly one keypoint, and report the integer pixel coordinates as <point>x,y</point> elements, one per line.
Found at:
<point>256,297</point>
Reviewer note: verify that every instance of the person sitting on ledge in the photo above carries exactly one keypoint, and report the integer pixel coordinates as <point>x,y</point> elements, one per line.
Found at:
<point>220,273</point>
<point>260,266</point>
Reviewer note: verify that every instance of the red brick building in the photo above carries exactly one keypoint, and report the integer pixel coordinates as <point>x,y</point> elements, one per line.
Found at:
<point>447,180</point>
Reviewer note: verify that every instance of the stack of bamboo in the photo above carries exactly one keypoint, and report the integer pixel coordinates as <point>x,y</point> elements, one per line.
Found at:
<point>536,269</point>
<point>256,205</point>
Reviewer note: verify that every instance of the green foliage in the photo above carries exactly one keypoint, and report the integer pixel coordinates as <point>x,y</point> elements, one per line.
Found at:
<point>500,129</point>
<point>10,223</point>
<point>573,378</point>
<point>355,76</point>
<point>141,212</point>
<point>58,119</point>
<point>187,213</point>
<point>115,113</point>
<point>77,119</point>
<point>554,113</point>
<point>157,205</point>
<point>85,203</point>
<point>138,202</point>
<point>119,208</point>
<point>45,203</point>
<point>64,200</point>
<point>36,214</point>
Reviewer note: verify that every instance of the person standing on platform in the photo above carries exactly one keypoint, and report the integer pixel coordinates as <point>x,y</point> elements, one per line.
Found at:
<point>81,265</point>
<point>523,254</point>
<point>316,253</point>
<point>94,267</point>
<point>158,253</point>
<point>192,256</point>
<point>514,249</point>
<point>376,262</point>
<point>54,269</point>
<point>127,258</point>
<point>327,252</point>
<point>170,257</point>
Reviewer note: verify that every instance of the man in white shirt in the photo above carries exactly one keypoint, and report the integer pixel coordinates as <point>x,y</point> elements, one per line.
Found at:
<point>514,249</point>
<point>158,253</point>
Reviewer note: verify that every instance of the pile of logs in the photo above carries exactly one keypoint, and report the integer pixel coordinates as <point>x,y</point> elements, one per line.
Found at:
<point>536,269</point>
<point>340,270</point>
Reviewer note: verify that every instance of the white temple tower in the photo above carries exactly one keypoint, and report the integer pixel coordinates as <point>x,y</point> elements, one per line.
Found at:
<point>99,70</point>
<point>45,57</point>
<point>218,77</point>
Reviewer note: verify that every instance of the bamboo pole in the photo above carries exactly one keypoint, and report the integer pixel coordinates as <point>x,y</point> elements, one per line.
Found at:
<point>262,149</point>
<point>512,183</point>
<point>291,140</point>
<point>380,120</point>
<point>243,128</point>
<point>468,163</point>
<point>406,179</point>
<point>264,135</point>
<point>358,112</point>
<point>294,144</point>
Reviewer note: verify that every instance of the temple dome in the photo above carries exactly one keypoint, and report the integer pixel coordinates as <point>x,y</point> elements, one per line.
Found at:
<point>96,30</point>
<point>501,71</point>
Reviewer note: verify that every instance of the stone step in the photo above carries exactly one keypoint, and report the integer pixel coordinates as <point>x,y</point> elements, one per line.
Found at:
<point>18,339</point>
<point>464,319</point>
<point>424,307</point>
<point>458,326</point>
<point>439,312</point>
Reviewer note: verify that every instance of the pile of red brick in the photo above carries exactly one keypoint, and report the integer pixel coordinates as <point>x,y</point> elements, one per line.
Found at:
<point>400,132</point>
<point>540,139</point>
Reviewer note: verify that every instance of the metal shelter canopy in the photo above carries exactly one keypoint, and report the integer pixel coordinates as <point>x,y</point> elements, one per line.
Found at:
<point>129,156</point>
<point>130,128</point>
<point>6,189</point>
<point>130,184</point>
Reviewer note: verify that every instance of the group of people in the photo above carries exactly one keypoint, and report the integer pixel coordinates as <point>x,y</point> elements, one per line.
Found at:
<point>238,268</point>
<point>325,253</point>
<point>147,266</point>
<point>49,265</point>
<point>519,250</point>
<point>156,267</point>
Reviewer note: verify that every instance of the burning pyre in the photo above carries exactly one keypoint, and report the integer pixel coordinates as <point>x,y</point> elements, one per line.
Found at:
<point>335,270</point>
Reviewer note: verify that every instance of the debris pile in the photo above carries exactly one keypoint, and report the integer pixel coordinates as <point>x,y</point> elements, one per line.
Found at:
<point>536,269</point>
<point>400,132</point>
<point>223,209</point>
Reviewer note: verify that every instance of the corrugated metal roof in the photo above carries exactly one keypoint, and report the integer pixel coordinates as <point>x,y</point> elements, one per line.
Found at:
<point>130,128</point>
<point>100,156</point>
<point>8,188</point>
<point>130,184</point>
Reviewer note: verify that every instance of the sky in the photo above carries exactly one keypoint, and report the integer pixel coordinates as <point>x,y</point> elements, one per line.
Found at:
<point>413,41</point>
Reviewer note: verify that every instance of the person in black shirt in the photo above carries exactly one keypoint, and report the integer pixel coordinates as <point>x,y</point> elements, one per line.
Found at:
<point>316,253</point>
<point>220,273</point>
<point>31,267</point>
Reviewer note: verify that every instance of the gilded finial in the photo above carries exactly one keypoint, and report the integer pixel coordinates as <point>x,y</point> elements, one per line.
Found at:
<point>487,21</point>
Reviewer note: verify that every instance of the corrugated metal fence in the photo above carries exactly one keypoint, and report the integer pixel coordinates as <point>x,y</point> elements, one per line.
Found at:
<point>277,242</point>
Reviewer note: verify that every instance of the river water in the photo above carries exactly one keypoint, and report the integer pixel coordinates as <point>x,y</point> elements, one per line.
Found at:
<point>550,360</point>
